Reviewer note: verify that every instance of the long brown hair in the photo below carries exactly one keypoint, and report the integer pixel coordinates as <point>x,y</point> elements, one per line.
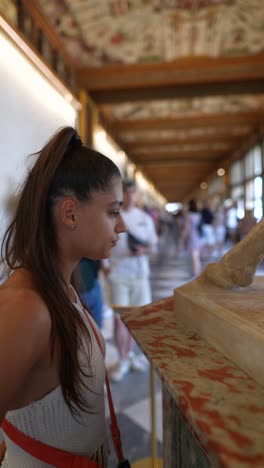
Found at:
<point>63,166</point>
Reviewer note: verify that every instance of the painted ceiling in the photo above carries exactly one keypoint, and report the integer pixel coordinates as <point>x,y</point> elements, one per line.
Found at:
<point>173,107</point>
<point>100,32</point>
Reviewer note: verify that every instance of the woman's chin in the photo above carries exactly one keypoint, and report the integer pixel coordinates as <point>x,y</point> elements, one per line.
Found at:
<point>106,255</point>
<point>100,255</point>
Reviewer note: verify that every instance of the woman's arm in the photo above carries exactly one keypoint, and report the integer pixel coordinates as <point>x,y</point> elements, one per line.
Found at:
<point>24,335</point>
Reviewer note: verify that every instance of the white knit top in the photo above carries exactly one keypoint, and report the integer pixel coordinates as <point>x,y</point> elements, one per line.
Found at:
<point>50,421</point>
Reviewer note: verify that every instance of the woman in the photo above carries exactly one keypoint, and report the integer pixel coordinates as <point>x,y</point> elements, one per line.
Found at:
<point>191,236</point>
<point>52,370</point>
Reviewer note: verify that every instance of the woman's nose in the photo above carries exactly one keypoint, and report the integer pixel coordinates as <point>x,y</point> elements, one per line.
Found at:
<point>121,227</point>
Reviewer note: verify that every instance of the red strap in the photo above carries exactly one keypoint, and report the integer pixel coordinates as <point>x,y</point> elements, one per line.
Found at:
<point>114,425</point>
<point>44,452</point>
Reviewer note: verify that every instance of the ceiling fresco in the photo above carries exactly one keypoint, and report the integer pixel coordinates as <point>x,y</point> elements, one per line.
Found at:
<point>165,135</point>
<point>100,32</point>
<point>177,142</point>
<point>173,107</point>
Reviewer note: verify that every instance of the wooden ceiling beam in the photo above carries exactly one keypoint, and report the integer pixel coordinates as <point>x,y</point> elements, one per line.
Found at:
<point>178,92</point>
<point>172,181</point>
<point>177,186</point>
<point>177,179</point>
<point>192,69</point>
<point>195,155</point>
<point>186,77</point>
<point>172,162</point>
<point>174,174</point>
<point>224,137</point>
<point>173,197</point>
<point>179,195</point>
<point>184,151</point>
<point>214,121</point>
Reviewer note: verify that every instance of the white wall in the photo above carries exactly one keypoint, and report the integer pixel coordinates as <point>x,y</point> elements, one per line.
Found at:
<point>30,111</point>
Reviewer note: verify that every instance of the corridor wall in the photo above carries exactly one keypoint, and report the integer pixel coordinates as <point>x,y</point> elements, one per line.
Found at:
<point>31,110</point>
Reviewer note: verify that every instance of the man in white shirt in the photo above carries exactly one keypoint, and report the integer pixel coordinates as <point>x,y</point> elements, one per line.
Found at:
<point>129,274</point>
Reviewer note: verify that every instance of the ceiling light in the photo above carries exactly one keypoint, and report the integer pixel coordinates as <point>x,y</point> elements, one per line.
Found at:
<point>173,207</point>
<point>220,172</point>
<point>203,185</point>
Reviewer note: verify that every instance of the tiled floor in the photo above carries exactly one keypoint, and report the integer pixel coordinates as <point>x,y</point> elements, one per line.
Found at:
<point>131,396</point>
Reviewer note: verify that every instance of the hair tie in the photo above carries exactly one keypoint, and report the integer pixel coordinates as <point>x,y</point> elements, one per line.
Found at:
<point>76,140</point>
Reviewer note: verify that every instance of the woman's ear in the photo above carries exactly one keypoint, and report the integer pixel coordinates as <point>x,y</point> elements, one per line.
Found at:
<point>67,212</point>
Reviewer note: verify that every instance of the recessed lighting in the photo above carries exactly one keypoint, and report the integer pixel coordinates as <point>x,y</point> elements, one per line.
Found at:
<point>220,172</point>
<point>203,185</point>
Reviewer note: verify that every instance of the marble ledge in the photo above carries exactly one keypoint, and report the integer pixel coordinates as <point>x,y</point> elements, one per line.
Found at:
<point>221,404</point>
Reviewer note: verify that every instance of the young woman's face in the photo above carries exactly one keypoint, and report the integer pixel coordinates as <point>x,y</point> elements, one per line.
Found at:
<point>100,222</point>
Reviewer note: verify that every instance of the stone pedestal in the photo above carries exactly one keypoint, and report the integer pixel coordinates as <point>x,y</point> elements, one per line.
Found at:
<point>231,320</point>
<point>213,412</point>
<point>226,309</point>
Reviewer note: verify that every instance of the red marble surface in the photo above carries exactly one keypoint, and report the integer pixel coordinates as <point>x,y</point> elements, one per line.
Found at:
<point>222,405</point>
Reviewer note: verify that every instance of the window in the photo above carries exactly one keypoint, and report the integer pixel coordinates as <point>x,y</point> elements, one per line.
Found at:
<point>246,182</point>
<point>254,196</point>
<point>249,194</point>
<point>249,165</point>
<point>236,173</point>
<point>257,160</point>
<point>258,209</point>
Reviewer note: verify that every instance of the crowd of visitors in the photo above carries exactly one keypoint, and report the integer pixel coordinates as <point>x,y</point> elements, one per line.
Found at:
<point>128,275</point>
<point>205,233</point>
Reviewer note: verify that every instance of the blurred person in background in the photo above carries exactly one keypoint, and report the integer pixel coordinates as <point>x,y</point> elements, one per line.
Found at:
<point>191,237</point>
<point>180,219</point>
<point>86,279</point>
<point>128,274</point>
<point>219,231</point>
<point>246,224</point>
<point>207,230</point>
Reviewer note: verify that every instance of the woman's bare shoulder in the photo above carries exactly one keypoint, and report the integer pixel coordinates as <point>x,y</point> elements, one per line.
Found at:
<point>25,306</point>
